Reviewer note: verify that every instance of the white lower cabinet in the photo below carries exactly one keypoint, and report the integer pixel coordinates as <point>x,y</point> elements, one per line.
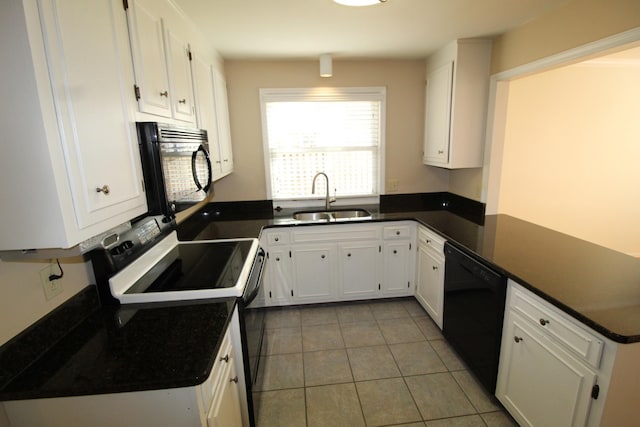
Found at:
<point>313,273</point>
<point>359,267</point>
<point>542,380</point>
<point>219,401</point>
<point>339,262</point>
<point>430,283</point>
<point>430,280</point>
<point>543,385</point>
<point>398,268</point>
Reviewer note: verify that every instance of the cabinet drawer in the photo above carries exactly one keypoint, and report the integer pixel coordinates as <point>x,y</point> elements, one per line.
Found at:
<point>223,358</point>
<point>427,238</point>
<point>277,238</point>
<point>336,233</point>
<point>574,337</point>
<point>397,232</point>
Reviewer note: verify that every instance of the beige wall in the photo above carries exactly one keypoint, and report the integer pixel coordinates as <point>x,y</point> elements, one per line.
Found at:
<point>405,111</point>
<point>576,23</point>
<point>22,300</point>
<point>571,154</point>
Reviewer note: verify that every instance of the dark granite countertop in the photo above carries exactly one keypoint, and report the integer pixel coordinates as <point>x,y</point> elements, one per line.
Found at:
<point>596,285</point>
<point>114,349</point>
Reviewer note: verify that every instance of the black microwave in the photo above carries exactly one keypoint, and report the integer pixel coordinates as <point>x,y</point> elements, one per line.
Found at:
<point>176,166</point>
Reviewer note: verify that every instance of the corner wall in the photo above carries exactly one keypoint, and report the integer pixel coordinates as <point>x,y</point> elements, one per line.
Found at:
<point>573,24</point>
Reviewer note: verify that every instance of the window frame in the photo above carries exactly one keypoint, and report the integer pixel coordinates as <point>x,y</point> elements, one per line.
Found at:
<point>373,93</point>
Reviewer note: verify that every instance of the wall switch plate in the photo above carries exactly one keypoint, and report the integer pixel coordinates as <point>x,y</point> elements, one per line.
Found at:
<point>51,287</point>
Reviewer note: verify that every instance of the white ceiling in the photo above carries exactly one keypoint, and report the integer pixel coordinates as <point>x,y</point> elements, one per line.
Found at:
<point>304,29</point>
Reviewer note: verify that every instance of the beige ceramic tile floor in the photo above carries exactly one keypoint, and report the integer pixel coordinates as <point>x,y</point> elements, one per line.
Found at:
<point>382,363</point>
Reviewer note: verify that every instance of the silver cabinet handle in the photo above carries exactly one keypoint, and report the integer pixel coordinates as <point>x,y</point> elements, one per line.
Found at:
<point>225,358</point>
<point>104,189</point>
<point>234,380</point>
<point>544,322</point>
<point>517,339</point>
<point>165,93</point>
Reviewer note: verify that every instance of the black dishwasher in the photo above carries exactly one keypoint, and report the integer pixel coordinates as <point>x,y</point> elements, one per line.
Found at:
<point>474,299</point>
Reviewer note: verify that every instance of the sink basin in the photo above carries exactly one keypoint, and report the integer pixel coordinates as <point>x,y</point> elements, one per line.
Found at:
<point>351,213</point>
<point>312,216</point>
<point>336,215</point>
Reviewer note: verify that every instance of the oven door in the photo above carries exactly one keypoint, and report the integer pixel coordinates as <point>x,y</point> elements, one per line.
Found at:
<point>252,324</point>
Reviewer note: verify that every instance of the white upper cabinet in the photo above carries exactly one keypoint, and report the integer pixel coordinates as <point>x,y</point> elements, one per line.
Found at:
<point>147,47</point>
<point>224,127</point>
<point>161,58</point>
<point>456,97</point>
<point>213,115</point>
<point>70,165</point>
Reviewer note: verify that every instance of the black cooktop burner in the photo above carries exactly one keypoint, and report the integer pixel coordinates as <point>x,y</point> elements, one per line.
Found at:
<point>196,266</point>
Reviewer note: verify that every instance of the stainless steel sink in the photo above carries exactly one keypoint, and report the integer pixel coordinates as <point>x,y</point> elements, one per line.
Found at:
<point>335,215</point>
<point>312,216</point>
<point>351,213</point>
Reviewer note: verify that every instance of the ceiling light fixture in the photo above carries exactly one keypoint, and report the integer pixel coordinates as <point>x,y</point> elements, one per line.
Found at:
<point>359,2</point>
<point>326,68</point>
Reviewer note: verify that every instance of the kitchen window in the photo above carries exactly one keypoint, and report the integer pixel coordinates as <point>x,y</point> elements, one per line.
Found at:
<point>338,131</point>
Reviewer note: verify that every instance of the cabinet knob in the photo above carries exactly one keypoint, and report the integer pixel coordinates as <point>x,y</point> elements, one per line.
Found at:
<point>544,322</point>
<point>182,101</point>
<point>397,233</point>
<point>226,160</point>
<point>104,189</point>
<point>517,339</point>
<point>322,256</point>
<point>435,267</point>
<point>440,152</point>
<point>225,358</point>
<point>165,93</point>
<point>218,162</point>
<point>277,239</point>
<point>234,380</point>
<point>395,251</point>
<point>428,241</point>
<point>347,255</point>
<point>277,258</point>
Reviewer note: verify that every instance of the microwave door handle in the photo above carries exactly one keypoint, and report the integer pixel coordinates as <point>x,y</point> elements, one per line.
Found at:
<point>193,168</point>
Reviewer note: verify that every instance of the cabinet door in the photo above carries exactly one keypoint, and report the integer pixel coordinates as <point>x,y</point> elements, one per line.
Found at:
<point>149,58</point>
<point>180,83</point>
<point>225,410</point>
<point>397,277</point>
<point>540,383</point>
<point>430,283</point>
<point>224,128</point>
<point>278,281</point>
<point>91,79</point>
<point>314,272</point>
<point>206,111</point>
<point>438,115</point>
<point>359,269</point>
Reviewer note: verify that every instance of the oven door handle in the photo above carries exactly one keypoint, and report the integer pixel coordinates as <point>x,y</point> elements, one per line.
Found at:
<point>195,173</point>
<point>255,278</point>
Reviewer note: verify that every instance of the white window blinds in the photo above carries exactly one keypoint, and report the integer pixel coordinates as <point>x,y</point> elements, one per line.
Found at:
<point>337,131</point>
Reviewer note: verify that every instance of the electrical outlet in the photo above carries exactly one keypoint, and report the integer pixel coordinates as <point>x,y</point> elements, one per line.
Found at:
<point>392,185</point>
<point>51,287</point>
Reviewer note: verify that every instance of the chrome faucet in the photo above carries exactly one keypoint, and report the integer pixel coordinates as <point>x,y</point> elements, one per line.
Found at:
<point>328,200</point>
